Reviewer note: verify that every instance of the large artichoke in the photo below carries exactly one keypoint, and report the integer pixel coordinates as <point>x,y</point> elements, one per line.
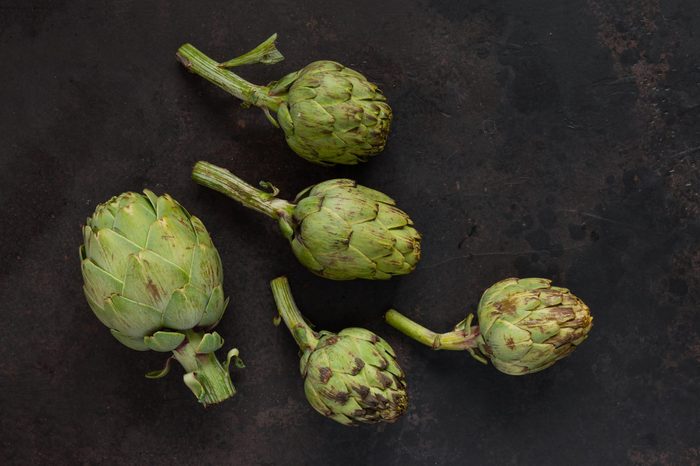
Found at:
<point>153,276</point>
<point>337,229</point>
<point>351,377</point>
<point>525,326</point>
<point>329,113</point>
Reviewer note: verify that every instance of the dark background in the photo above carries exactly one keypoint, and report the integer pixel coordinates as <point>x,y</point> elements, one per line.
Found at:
<point>543,138</point>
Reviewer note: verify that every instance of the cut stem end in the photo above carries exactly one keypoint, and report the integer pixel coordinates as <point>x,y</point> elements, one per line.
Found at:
<point>205,376</point>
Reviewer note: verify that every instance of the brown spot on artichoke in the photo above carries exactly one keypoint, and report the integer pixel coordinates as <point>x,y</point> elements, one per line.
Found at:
<point>324,374</point>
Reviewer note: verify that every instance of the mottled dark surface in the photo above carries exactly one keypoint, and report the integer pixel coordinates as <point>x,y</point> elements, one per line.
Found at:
<point>553,138</point>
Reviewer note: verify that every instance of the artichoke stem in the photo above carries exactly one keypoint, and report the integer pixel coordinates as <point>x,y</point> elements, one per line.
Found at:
<point>208,379</point>
<point>198,63</point>
<point>221,180</point>
<point>456,340</point>
<point>306,338</point>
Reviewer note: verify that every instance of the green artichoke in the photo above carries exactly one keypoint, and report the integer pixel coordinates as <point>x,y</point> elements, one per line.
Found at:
<point>337,229</point>
<point>329,113</point>
<point>525,326</point>
<point>153,276</point>
<point>351,377</point>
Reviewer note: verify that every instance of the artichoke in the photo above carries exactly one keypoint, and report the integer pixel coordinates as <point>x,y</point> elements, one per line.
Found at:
<point>351,377</point>
<point>329,113</point>
<point>153,276</point>
<point>525,326</point>
<point>337,229</point>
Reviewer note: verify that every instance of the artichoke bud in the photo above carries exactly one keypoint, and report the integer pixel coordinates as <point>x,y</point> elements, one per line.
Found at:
<point>525,325</point>
<point>337,229</point>
<point>351,377</point>
<point>154,278</point>
<point>330,114</point>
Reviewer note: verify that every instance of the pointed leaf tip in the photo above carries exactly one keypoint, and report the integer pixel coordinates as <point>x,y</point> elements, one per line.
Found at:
<point>233,355</point>
<point>157,374</point>
<point>265,53</point>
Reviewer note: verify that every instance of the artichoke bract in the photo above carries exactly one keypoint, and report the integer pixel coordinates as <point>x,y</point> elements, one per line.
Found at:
<point>525,326</point>
<point>337,229</point>
<point>351,377</point>
<point>154,278</point>
<point>329,113</point>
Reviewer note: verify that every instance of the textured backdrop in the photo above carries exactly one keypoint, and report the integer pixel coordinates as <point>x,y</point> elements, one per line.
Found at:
<point>544,138</point>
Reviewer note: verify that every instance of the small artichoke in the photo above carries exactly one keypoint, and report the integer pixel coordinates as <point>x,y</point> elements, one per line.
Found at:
<point>329,113</point>
<point>337,229</point>
<point>351,377</point>
<point>153,276</point>
<point>525,326</point>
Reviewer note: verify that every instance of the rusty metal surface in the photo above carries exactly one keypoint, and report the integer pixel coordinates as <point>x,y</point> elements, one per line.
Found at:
<point>542,138</point>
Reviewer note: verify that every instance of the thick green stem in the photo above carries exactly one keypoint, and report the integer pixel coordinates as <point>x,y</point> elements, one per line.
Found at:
<point>306,338</point>
<point>221,180</point>
<point>198,63</point>
<point>208,379</point>
<point>460,339</point>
